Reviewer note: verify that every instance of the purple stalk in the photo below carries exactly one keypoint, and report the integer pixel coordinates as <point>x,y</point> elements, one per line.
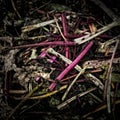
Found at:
<point>52,59</point>
<point>37,79</point>
<point>43,54</point>
<point>70,36</point>
<point>74,36</point>
<point>61,43</point>
<point>64,24</point>
<point>72,65</point>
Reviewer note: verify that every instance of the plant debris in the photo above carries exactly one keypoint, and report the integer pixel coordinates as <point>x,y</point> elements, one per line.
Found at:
<point>59,60</point>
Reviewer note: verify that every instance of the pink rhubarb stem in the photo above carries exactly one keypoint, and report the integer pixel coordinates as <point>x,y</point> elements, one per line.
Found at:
<point>64,24</point>
<point>72,65</point>
<point>65,32</point>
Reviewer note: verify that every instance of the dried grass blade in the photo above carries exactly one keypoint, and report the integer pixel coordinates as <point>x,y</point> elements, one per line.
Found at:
<point>72,83</point>
<point>108,80</point>
<point>38,25</point>
<point>74,97</point>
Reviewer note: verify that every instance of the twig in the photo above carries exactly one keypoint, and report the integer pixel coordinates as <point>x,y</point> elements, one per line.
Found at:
<point>91,64</point>
<point>74,97</point>
<point>50,93</point>
<point>68,78</point>
<point>95,80</point>
<point>65,32</point>
<point>42,24</point>
<point>17,91</point>
<point>89,37</point>
<point>59,28</point>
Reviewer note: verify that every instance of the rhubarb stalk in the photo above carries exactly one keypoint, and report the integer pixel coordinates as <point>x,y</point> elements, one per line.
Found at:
<point>64,24</point>
<point>72,65</point>
<point>61,43</point>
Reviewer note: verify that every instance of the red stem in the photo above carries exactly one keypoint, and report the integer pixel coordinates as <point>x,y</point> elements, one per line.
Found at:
<point>61,43</point>
<point>64,24</point>
<point>72,65</point>
<point>65,32</point>
<point>70,36</point>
